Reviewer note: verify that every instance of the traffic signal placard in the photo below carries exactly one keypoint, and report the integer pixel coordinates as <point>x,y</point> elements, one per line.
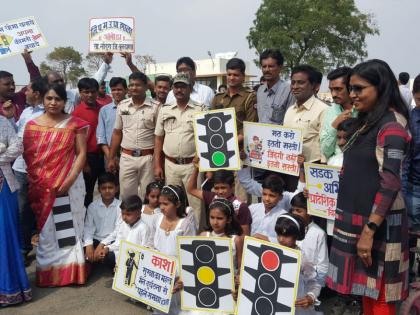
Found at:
<point>268,279</point>
<point>216,140</point>
<point>206,269</point>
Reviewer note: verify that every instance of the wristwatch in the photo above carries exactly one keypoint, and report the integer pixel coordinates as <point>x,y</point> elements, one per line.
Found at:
<point>372,226</point>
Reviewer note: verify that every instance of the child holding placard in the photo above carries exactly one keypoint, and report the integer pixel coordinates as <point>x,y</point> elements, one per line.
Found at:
<point>223,223</point>
<point>174,220</point>
<point>290,229</point>
<point>314,245</point>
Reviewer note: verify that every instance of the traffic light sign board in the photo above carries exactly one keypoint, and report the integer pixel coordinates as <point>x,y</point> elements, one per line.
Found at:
<point>269,278</point>
<point>207,274</point>
<point>216,140</point>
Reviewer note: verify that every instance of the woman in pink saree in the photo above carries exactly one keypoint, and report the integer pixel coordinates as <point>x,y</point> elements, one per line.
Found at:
<point>55,153</point>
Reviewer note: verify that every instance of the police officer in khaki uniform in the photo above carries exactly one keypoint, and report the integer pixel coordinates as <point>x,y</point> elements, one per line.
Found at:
<point>174,139</point>
<point>134,128</point>
<point>237,96</point>
<point>242,99</point>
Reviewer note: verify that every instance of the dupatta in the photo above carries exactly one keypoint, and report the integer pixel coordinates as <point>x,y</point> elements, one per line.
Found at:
<point>49,153</point>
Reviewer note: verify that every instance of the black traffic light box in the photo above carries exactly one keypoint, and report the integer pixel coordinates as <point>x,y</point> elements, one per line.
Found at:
<point>268,280</point>
<point>206,273</point>
<point>216,138</point>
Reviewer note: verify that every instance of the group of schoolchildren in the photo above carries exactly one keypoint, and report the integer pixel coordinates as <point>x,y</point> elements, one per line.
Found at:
<point>281,218</point>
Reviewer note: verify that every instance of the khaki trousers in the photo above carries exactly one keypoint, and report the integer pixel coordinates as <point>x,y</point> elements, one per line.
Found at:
<point>179,174</point>
<point>136,172</point>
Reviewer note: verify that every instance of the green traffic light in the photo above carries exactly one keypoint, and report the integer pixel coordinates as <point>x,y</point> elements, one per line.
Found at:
<point>218,158</point>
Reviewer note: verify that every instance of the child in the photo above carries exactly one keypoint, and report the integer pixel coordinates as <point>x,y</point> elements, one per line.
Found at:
<point>253,187</point>
<point>174,220</point>
<point>131,229</point>
<point>150,209</point>
<point>223,187</point>
<point>290,228</point>
<point>343,130</point>
<point>102,215</point>
<point>265,214</point>
<point>314,245</point>
<point>223,223</point>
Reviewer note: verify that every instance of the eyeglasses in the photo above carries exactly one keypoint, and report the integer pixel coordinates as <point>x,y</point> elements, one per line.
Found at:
<point>357,89</point>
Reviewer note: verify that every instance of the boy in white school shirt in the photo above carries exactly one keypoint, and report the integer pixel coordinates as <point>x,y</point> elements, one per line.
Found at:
<point>131,229</point>
<point>265,214</point>
<point>102,216</point>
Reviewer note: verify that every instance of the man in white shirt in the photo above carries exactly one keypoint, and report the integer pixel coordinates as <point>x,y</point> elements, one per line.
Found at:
<point>200,93</point>
<point>34,99</point>
<point>102,215</point>
<point>406,94</point>
<point>265,214</point>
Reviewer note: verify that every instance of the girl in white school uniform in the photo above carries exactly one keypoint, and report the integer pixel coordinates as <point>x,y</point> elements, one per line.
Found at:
<point>174,220</point>
<point>291,228</point>
<point>151,210</point>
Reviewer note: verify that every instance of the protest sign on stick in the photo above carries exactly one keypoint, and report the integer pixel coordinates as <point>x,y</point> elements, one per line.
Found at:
<point>145,275</point>
<point>111,34</point>
<point>216,140</point>
<point>272,147</point>
<point>21,34</point>
<point>322,182</point>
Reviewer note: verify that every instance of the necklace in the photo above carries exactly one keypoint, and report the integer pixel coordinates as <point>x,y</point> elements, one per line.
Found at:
<point>170,226</point>
<point>353,138</point>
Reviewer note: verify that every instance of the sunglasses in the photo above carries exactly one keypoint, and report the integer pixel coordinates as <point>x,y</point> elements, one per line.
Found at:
<point>357,89</point>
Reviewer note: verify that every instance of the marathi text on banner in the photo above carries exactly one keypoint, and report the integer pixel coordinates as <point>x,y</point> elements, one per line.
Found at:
<point>112,34</point>
<point>18,35</point>
<point>272,147</point>
<point>145,275</point>
<point>322,182</point>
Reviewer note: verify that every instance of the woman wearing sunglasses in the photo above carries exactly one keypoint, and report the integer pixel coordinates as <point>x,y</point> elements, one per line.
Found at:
<point>369,253</point>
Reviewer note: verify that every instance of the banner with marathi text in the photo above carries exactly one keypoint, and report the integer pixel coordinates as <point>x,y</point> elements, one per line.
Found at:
<point>322,182</point>
<point>145,275</point>
<point>272,147</point>
<point>18,35</point>
<point>111,34</point>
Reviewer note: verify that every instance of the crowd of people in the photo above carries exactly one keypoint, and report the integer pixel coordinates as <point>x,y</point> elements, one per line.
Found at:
<point>57,145</point>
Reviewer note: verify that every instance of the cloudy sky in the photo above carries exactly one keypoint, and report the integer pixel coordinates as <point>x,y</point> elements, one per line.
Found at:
<point>168,29</point>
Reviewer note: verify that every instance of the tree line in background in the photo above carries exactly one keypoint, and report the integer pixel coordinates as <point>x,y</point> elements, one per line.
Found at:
<point>324,33</point>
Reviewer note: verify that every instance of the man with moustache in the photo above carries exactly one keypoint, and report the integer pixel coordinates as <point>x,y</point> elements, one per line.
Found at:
<point>308,111</point>
<point>174,139</point>
<point>340,110</point>
<point>274,96</point>
<point>134,132</point>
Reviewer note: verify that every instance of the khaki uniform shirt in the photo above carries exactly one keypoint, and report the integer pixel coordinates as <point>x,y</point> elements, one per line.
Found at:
<point>137,123</point>
<point>308,117</point>
<point>243,102</point>
<point>176,126</point>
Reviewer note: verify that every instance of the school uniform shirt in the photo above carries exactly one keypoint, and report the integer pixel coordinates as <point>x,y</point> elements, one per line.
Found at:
<point>138,233</point>
<point>100,220</point>
<point>264,223</point>
<point>314,247</point>
<point>241,209</point>
<point>253,187</point>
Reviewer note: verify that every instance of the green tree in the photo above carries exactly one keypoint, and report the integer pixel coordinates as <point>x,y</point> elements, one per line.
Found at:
<point>323,33</point>
<point>94,61</point>
<point>66,61</point>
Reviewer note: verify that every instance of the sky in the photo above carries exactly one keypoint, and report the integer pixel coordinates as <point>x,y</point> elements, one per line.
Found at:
<point>169,29</point>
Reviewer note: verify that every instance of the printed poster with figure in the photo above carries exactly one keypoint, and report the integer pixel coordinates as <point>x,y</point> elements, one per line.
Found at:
<point>269,278</point>
<point>272,147</point>
<point>206,270</point>
<point>145,275</point>
<point>111,34</point>
<point>322,182</point>
<point>18,35</point>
